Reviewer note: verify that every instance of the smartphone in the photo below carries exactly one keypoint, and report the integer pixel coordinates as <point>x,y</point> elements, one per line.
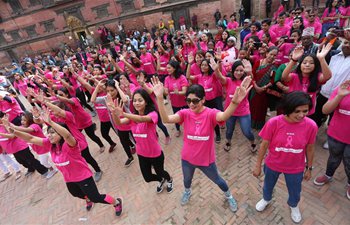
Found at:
<point>288,40</point>
<point>257,44</point>
<point>339,32</point>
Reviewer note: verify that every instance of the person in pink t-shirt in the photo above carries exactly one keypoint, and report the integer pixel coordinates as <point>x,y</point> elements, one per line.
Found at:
<point>21,84</point>
<point>338,134</point>
<point>143,125</point>
<point>240,69</point>
<point>199,121</point>
<point>194,67</point>
<point>65,151</point>
<point>280,29</point>
<point>289,140</point>
<point>176,86</point>
<point>310,74</point>
<point>10,106</point>
<point>148,61</point>
<point>312,22</point>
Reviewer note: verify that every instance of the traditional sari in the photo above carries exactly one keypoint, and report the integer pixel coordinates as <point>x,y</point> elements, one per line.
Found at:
<point>259,102</point>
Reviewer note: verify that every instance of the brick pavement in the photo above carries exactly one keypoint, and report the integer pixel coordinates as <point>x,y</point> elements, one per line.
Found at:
<point>34,200</point>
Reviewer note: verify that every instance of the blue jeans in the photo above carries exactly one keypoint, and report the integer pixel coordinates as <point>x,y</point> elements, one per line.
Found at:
<point>293,182</point>
<point>210,171</point>
<point>175,110</point>
<point>338,151</point>
<point>245,124</point>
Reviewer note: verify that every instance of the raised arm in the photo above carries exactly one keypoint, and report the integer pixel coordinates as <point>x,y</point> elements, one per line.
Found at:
<point>321,55</point>
<point>296,55</point>
<point>116,109</point>
<point>97,89</point>
<point>331,105</point>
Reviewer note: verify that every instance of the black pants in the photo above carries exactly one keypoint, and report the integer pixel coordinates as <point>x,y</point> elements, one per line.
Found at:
<point>161,126</point>
<point>90,131</point>
<point>17,121</point>
<point>89,159</point>
<point>82,98</point>
<point>86,188</point>
<point>175,110</point>
<point>27,159</point>
<point>124,137</point>
<point>214,104</point>
<point>157,163</point>
<point>318,116</point>
<point>105,127</point>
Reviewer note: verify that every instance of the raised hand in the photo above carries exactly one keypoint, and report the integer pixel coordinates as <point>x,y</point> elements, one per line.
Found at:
<point>344,89</point>
<point>242,90</point>
<point>298,52</point>
<point>35,111</point>
<point>190,58</point>
<point>101,83</point>
<point>157,87</point>
<point>46,116</point>
<point>247,66</point>
<point>114,105</point>
<point>116,84</point>
<point>322,52</point>
<point>156,54</point>
<point>213,64</point>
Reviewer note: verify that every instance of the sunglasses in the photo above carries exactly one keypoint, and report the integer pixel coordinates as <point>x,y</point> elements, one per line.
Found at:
<point>195,101</point>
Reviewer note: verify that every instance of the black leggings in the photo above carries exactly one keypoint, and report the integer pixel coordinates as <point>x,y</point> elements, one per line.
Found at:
<point>90,131</point>
<point>86,188</point>
<point>213,104</point>
<point>89,159</point>
<point>105,127</point>
<point>81,96</point>
<point>157,163</point>
<point>162,126</point>
<point>27,159</point>
<point>124,137</point>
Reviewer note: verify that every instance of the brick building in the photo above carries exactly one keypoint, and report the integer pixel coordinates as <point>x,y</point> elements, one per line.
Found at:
<point>32,26</point>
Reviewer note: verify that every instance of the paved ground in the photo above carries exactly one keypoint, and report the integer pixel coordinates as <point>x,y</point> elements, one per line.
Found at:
<point>34,200</point>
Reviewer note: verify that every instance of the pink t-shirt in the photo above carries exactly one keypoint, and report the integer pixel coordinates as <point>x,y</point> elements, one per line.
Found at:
<point>82,117</point>
<point>210,84</point>
<point>339,127</point>
<point>164,60</point>
<point>316,25</point>
<point>195,71</point>
<point>12,109</point>
<point>148,63</point>
<point>243,107</point>
<point>295,85</point>
<point>22,86</point>
<point>249,35</point>
<point>38,132</point>
<point>101,109</point>
<point>198,141</point>
<point>187,49</point>
<point>71,124</point>
<point>11,145</point>
<point>232,25</point>
<point>280,30</point>
<point>145,135</point>
<point>333,13</point>
<point>69,161</point>
<point>287,143</point>
<point>283,52</point>
<point>204,46</point>
<point>171,84</point>
<point>272,35</point>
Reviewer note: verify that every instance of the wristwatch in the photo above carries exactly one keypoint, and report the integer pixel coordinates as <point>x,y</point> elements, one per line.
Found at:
<point>309,167</point>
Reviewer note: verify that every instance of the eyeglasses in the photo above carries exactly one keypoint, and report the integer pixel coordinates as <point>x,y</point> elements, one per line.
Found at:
<point>195,101</point>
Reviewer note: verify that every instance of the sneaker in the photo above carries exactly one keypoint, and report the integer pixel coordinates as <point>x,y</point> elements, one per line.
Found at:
<point>322,180</point>
<point>6,175</point>
<point>28,173</point>
<point>129,162</point>
<point>50,173</point>
<point>133,149</point>
<point>227,146</point>
<point>167,140</point>
<point>178,133</point>
<point>295,214</point>
<point>233,203</point>
<point>325,145</point>
<point>112,148</point>
<point>102,149</point>
<point>18,175</point>
<point>185,197</point>
<point>261,205</point>
<point>217,139</point>
<point>160,186</point>
<point>89,204</point>
<point>118,207</point>
<point>98,176</point>
<point>253,149</point>
<point>223,127</point>
<point>348,192</point>
<point>93,113</point>
<point>170,187</point>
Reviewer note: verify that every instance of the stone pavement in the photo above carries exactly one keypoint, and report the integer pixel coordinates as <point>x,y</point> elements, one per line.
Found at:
<point>35,200</point>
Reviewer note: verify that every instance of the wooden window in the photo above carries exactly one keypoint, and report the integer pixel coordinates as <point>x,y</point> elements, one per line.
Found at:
<point>31,31</point>
<point>15,35</point>
<point>101,10</point>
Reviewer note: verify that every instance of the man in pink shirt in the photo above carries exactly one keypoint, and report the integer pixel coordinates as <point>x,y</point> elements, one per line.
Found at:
<point>311,22</point>
<point>253,31</point>
<point>149,64</point>
<point>280,29</point>
<point>265,28</point>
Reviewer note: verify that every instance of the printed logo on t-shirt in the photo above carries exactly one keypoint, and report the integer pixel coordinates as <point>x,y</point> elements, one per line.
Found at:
<point>344,112</point>
<point>288,150</point>
<point>140,135</point>
<point>4,139</point>
<point>62,164</point>
<point>196,136</point>
<point>289,140</point>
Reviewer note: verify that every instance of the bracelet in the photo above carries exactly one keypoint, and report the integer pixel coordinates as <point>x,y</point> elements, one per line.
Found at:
<point>36,117</point>
<point>309,167</point>
<point>294,59</point>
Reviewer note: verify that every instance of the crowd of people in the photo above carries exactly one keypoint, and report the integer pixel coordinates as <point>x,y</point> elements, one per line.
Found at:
<point>295,65</point>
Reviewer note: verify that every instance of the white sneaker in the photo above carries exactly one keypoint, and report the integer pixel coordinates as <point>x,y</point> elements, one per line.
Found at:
<point>295,214</point>
<point>261,205</point>
<point>325,145</point>
<point>50,173</point>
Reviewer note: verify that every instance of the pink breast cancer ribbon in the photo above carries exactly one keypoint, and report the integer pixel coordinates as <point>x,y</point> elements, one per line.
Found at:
<point>289,141</point>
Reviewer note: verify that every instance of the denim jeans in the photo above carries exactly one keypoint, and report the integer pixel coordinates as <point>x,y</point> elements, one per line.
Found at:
<point>245,124</point>
<point>293,182</point>
<point>210,171</point>
<point>338,151</point>
<point>175,110</point>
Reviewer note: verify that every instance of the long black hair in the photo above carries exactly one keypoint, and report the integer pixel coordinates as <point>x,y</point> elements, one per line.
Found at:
<point>57,148</point>
<point>313,78</point>
<point>111,83</point>
<point>234,66</point>
<point>210,71</point>
<point>176,65</point>
<point>150,107</point>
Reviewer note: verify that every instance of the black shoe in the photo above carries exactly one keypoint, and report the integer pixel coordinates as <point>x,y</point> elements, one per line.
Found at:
<point>160,186</point>
<point>253,150</point>
<point>112,148</point>
<point>217,139</point>
<point>89,204</point>
<point>170,186</point>
<point>227,146</point>
<point>129,161</point>
<point>118,207</point>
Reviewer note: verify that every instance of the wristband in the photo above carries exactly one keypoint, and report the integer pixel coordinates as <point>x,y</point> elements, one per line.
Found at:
<point>293,59</point>
<point>309,167</point>
<point>36,117</point>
